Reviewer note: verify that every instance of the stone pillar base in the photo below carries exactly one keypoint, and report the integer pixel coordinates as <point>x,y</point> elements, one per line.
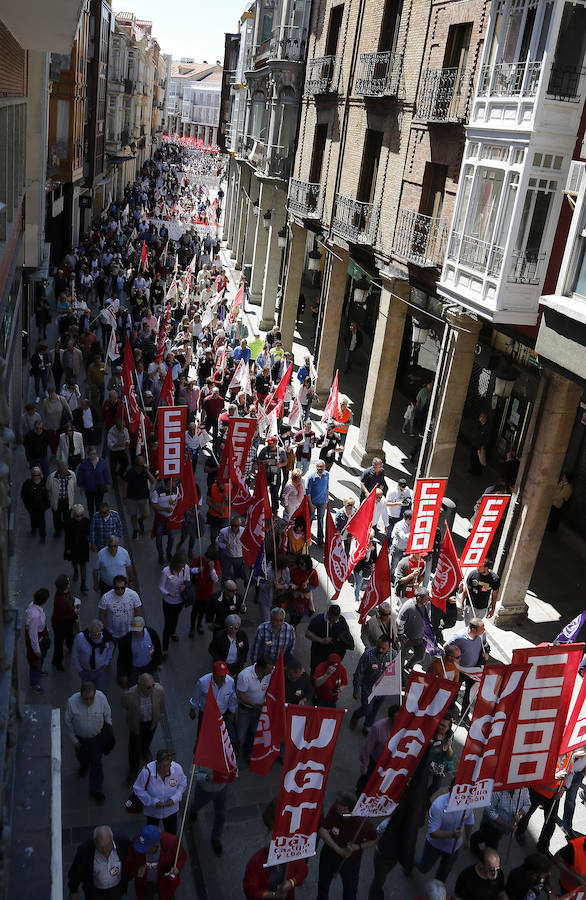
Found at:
<point>255,298</point>
<point>511,615</point>
<point>266,324</point>
<point>237,265</point>
<point>364,455</point>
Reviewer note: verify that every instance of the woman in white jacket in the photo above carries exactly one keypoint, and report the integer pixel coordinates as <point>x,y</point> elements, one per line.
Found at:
<point>70,448</point>
<point>160,787</point>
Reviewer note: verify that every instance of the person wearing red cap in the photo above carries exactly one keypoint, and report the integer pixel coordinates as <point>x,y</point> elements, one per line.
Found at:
<point>329,678</point>
<point>224,692</point>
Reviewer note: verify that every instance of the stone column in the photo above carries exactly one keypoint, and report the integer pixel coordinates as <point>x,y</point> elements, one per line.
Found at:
<point>539,473</point>
<point>250,224</point>
<point>261,239</point>
<point>449,395</point>
<point>292,286</point>
<point>229,204</point>
<point>333,289</point>
<point>382,369</point>
<point>274,257</point>
<point>240,232</point>
<point>234,207</point>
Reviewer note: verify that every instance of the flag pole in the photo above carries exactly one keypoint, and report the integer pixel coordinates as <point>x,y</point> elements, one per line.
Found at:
<point>274,544</point>
<point>247,587</point>
<point>229,501</point>
<point>197,523</point>
<point>185,808</point>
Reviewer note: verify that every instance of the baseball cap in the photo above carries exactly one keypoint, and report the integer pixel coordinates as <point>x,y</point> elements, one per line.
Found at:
<point>402,482</point>
<point>334,658</point>
<point>137,624</point>
<point>149,835</point>
<point>220,668</point>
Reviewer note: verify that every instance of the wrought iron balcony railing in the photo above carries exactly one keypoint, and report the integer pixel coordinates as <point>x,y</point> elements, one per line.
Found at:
<point>564,82</point>
<point>510,79</point>
<point>470,251</point>
<point>279,162</point>
<point>323,75</point>
<point>526,267</point>
<point>289,42</point>
<point>379,74</point>
<point>354,220</point>
<point>304,198</point>
<point>420,239</point>
<point>444,95</point>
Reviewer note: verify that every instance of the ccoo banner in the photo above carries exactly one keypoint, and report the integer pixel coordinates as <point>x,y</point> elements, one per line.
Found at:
<point>483,531</point>
<point>172,427</point>
<point>427,504</point>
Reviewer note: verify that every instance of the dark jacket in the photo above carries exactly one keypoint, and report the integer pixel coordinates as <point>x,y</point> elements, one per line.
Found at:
<point>348,338</point>
<point>125,653</point>
<point>220,645</point>
<point>34,496</point>
<point>82,867</point>
<point>36,445</point>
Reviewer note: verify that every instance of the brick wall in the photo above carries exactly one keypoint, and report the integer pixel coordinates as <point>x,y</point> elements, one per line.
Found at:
<point>12,65</point>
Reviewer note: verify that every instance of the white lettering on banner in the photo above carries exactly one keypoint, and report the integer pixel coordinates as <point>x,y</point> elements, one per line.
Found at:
<point>438,701</point>
<point>172,441</point>
<point>489,683</point>
<point>497,726</point>
<point>389,775</point>
<point>296,813</point>
<point>313,778</point>
<point>423,524</point>
<point>412,748</point>
<point>478,760</point>
<point>470,796</point>
<point>326,733</point>
<point>239,442</point>
<point>483,530</point>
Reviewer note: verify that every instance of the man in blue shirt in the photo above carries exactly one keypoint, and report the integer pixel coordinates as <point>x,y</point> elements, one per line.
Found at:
<point>242,352</point>
<point>317,496</point>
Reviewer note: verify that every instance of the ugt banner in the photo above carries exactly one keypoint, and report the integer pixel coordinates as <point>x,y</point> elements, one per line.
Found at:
<point>312,732</point>
<point>238,440</point>
<point>498,696</point>
<point>427,504</point>
<point>426,700</point>
<point>172,427</point>
<point>484,529</point>
<point>531,744</point>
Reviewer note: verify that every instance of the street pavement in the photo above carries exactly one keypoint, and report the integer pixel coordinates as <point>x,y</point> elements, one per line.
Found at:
<point>557,587</point>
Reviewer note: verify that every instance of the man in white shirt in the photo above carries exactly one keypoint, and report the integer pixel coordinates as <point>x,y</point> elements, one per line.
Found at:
<point>224,692</point>
<point>251,688</point>
<point>230,547</point>
<point>86,714</point>
<point>398,540</point>
<point>118,607</point>
<point>399,499</point>
<point>164,500</point>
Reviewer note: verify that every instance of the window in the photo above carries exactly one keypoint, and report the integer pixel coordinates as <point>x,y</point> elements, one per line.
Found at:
<point>335,25</point>
<point>578,283</point>
<point>540,193</point>
<point>568,58</point>
<point>432,192</point>
<point>317,156</point>
<point>390,25</point>
<point>485,204</point>
<point>369,167</point>
<point>458,46</point>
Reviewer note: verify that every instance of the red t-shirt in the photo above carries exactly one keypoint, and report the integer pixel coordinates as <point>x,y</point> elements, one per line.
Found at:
<point>330,689</point>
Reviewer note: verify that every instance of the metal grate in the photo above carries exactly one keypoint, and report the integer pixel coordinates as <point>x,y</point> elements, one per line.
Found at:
<point>379,74</point>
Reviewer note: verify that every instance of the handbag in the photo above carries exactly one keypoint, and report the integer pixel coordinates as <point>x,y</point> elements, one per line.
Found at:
<point>107,738</point>
<point>133,805</point>
<point>44,642</point>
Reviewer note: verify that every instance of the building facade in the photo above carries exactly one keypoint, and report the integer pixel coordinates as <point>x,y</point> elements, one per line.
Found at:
<point>261,134</point>
<point>193,103</point>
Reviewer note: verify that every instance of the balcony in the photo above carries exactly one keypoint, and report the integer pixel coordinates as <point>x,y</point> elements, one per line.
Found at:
<point>379,74</point>
<point>420,239</point>
<point>510,80</point>
<point>278,162</point>
<point>481,256</point>
<point>128,86</point>
<point>564,83</point>
<point>444,95</point>
<point>354,220</point>
<point>304,198</point>
<point>526,267</point>
<point>290,43</point>
<point>323,75</point>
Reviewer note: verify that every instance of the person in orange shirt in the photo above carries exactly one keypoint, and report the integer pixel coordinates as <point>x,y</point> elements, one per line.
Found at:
<point>448,666</point>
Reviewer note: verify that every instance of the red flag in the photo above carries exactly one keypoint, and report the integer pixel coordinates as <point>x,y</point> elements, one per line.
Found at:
<point>332,408</point>
<point>239,298</point>
<point>312,732</point>
<point>282,386</point>
<point>239,439</point>
<point>214,749</point>
<point>187,498</point>
<point>379,586</point>
<point>448,574</point>
<point>163,335</point>
<point>425,702</point>
<point>427,504</point>
<point>272,725</point>
<point>144,262</point>
<point>494,712</point>
<point>532,745</point>
<point>254,531</point>
<point>302,512</point>
<point>485,525</point>
<point>335,560</point>
<point>167,396</point>
<point>360,526</point>
<point>575,731</point>
<point>240,499</point>
<point>132,410</point>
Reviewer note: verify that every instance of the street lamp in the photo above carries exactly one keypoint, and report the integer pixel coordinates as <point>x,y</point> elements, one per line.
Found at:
<point>505,376</point>
<point>255,207</point>
<point>282,238</point>
<point>361,289</point>
<point>420,334</point>
<point>314,260</point>
<point>266,220</point>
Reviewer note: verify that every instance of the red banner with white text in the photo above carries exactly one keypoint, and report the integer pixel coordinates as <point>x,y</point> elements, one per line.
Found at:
<point>425,702</point>
<point>335,561</point>
<point>271,729</point>
<point>238,442</point>
<point>172,427</point>
<point>494,712</point>
<point>575,731</point>
<point>483,531</point>
<point>427,504</point>
<point>531,745</point>
<point>312,732</point>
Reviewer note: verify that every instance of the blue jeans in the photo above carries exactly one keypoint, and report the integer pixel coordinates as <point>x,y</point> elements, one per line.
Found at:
<point>570,799</point>
<point>368,710</point>
<point>35,674</point>
<point>319,513</point>
<point>159,532</point>
<point>330,865</point>
<point>98,677</point>
<point>429,858</point>
<point>247,724</point>
<point>358,579</point>
<point>201,798</point>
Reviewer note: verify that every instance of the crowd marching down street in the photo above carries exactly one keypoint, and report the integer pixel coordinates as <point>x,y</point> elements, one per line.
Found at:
<point>157,400</point>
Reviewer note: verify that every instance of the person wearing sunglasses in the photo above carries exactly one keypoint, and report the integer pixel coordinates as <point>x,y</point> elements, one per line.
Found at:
<point>484,881</point>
